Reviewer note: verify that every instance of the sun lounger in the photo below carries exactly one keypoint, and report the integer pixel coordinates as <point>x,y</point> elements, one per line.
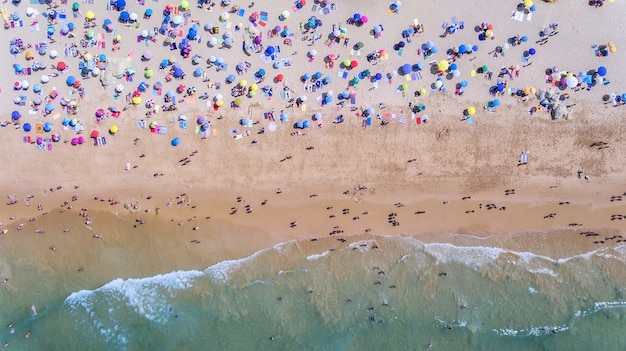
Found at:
<point>529,16</point>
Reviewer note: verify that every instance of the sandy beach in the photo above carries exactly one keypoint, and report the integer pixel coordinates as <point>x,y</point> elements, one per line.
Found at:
<point>168,192</point>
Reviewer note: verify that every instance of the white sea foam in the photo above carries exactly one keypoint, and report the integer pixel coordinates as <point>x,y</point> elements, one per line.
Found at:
<point>601,305</point>
<point>532,331</point>
<point>317,256</point>
<point>143,294</point>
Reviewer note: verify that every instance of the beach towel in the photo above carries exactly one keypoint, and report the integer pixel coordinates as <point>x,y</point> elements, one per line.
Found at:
<point>303,107</point>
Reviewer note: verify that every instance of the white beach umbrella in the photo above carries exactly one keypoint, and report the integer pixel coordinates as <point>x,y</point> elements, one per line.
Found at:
<point>45,78</point>
<point>53,54</point>
<point>119,88</point>
<point>133,16</point>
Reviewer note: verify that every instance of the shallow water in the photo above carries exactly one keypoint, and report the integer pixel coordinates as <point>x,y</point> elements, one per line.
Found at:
<point>390,293</point>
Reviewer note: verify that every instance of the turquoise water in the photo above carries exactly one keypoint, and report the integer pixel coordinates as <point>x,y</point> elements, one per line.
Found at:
<point>393,293</point>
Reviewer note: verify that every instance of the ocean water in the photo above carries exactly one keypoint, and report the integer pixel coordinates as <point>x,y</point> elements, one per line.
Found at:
<point>385,293</point>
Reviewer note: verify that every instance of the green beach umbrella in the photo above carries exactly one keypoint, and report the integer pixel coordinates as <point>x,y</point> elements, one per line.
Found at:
<point>149,73</point>
<point>75,6</point>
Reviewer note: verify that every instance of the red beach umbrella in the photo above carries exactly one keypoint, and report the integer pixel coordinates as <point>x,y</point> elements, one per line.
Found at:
<point>100,113</point>
<point>94,134</point>
<point>279,78</point>
<point>61,66</point>
<point>354,63</point>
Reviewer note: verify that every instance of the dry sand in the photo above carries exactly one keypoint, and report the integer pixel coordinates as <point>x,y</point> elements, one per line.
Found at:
<point>446,168</point>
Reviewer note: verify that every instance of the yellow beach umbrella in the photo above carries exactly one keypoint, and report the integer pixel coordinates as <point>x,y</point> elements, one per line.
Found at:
<point>285,14</point>
<point>422,91</point>
<point>219,103</point>
<point>243,83</point>
<point>254,87</point>
<point>443,65</point>
<point>90,15</point>
<point>184,4</point>
<point>471,111</point>
<point>136,100</point>
<point>117,38</point>
<point>113,129</point>
<point>612,49</point>
<point>251,93</point>
<point>528,3</point>
<point>237,102</point>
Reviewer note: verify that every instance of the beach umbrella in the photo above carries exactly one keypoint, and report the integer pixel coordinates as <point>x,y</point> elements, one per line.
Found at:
<point>237,102</point>
<point>198,72</point>
<point>148,73</point>
<point>218,97</point>
<point>284,14</point>
<point>124,16</point>
<point>456,73</point>
<point>404,86</point>
<point>471,111</point>
<point>312,53</point>
<point>212,41</point>
<point>243,83</point>
<point>27,127</point>
<point>175,141</point>
<point>47,127</point>
<point>15,115</point>
<point>231,78</point>
<point>571,82</point>
<point>61,66</point>
<point>184,4</point>
<point>453,66</point>
<point>147,55</point>
<point>49,107</point>
<point>443,65</point>
<point>602,71</point>
<point>37,88</point>
<point>438,83</point>
<point>44,78</point>
<point>254,87</point>
<point>113,129</point>
<point>475,48</point>
<point>378,76</point>
<point>406,69</point>
<point>219,60</point>
<point>354,63</point>
<point>120,4</point>
<point>279,78</point>
<point>495,102</point>
<point>224,17</point>
<point>327,80</point>
<point>177,20</point>
<point>25,85</point>
<point>100,112</point>
<point>532,51</point>
<point>462,48</point>
<point>317,75</point>
<point>90,15</point>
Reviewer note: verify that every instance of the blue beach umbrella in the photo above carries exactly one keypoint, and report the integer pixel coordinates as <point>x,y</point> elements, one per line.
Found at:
<point>49,107</point>
<point>175,141</point>
<point>602,71</point>
<point>47,127</point>
<point>124,16</point>
<point>198,72</point>
<point>120,4</point>
<point>15,115</point>
<point>27,127</point>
